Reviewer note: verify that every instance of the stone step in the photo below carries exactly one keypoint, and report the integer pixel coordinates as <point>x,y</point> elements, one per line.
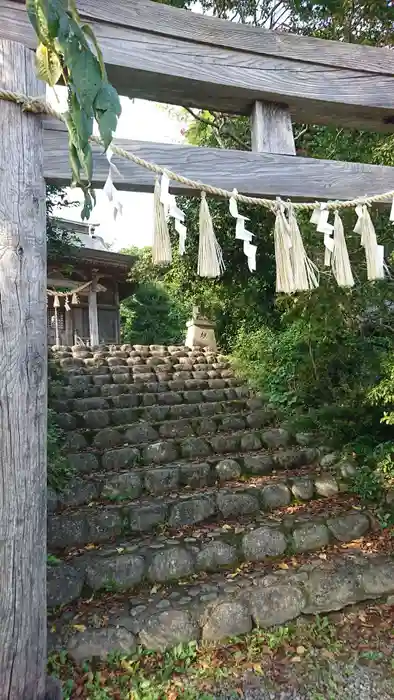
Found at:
<point>301,483</point>
<point>138,354</point>
<point>162,452</point>
<point>142,371</point>
<point>139,561</point>
<point>214,608</point>
<point>126,426</point>
<point>84,385</point>
<point>238,396</point>
<point>97,524</point>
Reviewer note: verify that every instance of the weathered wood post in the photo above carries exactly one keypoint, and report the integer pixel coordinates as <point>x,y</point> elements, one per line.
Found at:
<point>93,313</point>
<point>23,381</point>
<point>272,131</point>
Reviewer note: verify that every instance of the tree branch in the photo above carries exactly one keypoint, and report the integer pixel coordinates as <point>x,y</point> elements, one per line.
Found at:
<point>221,130</point>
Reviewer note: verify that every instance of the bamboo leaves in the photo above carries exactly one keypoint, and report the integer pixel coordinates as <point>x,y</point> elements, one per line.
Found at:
<point>65,51</point>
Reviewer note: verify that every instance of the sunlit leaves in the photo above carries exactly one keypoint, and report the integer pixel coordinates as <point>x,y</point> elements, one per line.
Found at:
<point>65,51</point>
<point>48,65</point>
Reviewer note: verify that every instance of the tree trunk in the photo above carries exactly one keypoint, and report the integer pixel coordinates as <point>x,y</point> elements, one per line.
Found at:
<point>23,380</point>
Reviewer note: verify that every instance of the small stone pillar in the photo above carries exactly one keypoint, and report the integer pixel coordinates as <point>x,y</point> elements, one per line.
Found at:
<point>200,331</point>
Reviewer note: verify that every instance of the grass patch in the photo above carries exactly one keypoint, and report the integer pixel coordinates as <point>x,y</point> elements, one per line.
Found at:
<point>194,671</point>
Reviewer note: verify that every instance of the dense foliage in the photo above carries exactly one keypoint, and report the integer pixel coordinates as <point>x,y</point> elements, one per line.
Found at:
<point>61,244</point>
<point>324,359</point>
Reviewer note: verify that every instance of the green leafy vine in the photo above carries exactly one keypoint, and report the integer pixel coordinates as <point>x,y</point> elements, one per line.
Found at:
<point>65,53</point>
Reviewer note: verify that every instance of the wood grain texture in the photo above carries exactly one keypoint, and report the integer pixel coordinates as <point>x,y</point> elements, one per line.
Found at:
<point>23,379</point>
<point>177,70</point>
<point>93,319</point>
<point>255,174</point>
<point>163,19</point>
<point>271,128</point>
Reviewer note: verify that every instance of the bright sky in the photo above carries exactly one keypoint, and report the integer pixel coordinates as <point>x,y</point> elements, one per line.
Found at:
<point>140,120</point>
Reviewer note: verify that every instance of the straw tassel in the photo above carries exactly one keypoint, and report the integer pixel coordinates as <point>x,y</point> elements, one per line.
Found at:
<point>161,249</point>
<point>56,302</point>
<point>284,271</point>
<point>210,257</point>
<point>374,253</point>
<point>74,298</point>
<point>305,273</point>
<point>340,262</point>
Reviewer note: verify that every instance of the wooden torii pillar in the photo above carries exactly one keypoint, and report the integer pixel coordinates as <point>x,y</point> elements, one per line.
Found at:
<point>23,385</point>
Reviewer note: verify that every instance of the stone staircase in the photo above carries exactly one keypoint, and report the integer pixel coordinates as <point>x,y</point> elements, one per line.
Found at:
<point>191,512</point>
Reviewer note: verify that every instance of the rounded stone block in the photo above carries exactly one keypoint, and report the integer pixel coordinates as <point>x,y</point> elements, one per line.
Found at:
<point>160,453</point>
<point>228,619</point>
<point>288,459</point>
<point>66,421</point>
<point>229,423</point>
<point>171,564</point>
<point>276,437</point>
<point>326,486</point>
<point>195,447</point>
<point>126,486</point>
<point>262,543</point>
<point>303,488</point>
<point>83,462</point>
<point>232,505</point>
<point>275,496</point>
<point>225,443</point>
<point>191,511</point>
<point>78,491</point>
<point>96,419</point>
<point>250,442</point>
<point>258,464</point>
<point>310,537</point>
<point>195,475</point>
<point>64,585</point>
<point>108,437</point>
<point>275,605</point>
<point>227,470</point>
<point>164,480</point>
<point>120,459</point>
<point>215,555</point>
<point>167,629</point>
<point>122,571</point>
<point>350,526</point>
<point>175,429</point>
<point>99,643</point>
<point>141,433</point>
<point>147,518</point>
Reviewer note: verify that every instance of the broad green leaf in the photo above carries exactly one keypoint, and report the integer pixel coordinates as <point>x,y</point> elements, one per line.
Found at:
<point>108,98</point>
<point>31,8</point>
<point>87,29</point>
<point>89,202</point>
<point>82,121</point>
<point>74,10</point>
<point>85,75</point>
<point>107,122</point>
<point>86,158</point>
<point>75,164</point>
<point>48,65</point>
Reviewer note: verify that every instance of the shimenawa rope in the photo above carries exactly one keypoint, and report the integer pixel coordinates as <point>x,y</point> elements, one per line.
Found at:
<point>40,106</point>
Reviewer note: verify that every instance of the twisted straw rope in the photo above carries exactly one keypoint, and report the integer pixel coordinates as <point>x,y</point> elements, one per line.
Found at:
<point>40,106</point>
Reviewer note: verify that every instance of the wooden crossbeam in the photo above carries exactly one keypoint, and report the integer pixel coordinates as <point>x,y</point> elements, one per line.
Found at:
<point>254,174</point>
<point>174,56</point>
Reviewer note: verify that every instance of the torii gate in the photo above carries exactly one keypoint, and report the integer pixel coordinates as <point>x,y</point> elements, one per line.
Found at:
<point>155,52</point>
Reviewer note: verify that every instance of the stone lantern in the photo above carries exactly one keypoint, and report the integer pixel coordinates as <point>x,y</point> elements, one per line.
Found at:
<point>200,331</point>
